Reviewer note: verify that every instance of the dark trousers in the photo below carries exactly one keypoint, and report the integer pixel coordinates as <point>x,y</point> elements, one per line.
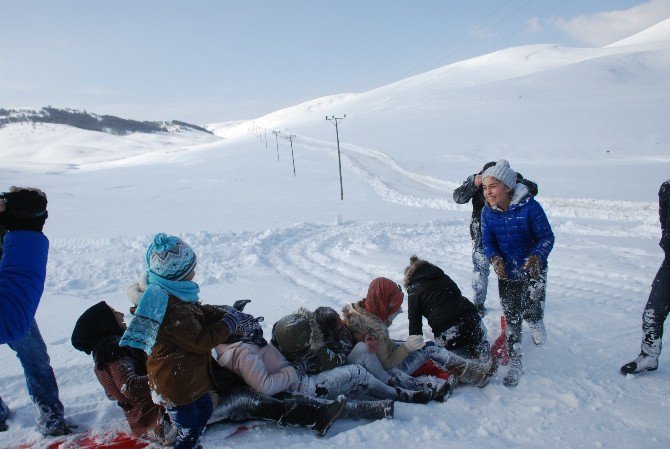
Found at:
<point>656,310</point>
<point>190,420</point>
<point>522,299</point>
<point>42,388</point>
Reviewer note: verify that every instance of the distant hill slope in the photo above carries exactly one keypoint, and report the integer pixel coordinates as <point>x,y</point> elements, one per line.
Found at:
<point>92,122</point>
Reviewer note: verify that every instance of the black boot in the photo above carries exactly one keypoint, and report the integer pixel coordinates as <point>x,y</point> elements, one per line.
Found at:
<point>316,416</point>
<point>443,392</point>
<point>415,397</point>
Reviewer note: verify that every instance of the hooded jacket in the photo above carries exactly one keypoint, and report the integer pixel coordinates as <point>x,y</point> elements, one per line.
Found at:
<point>179,365</point>
<point>362,323</point>
<point>517,233</point>
<point>468,191</point>
<point>312,343</point>
<point>434,295</point>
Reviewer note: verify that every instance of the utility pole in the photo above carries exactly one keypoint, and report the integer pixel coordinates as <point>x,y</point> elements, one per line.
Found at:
<point>266,138</point>
<point>336,120</point>
<point>276,133</point>
<point>290,138</point>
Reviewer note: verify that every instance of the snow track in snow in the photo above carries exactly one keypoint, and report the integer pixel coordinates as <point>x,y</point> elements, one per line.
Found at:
<point>396,184</point>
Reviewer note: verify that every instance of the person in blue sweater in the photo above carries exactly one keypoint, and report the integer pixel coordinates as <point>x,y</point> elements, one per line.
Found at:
<point>517,239</point>
<point>22,273</point>
<point>658,304</point>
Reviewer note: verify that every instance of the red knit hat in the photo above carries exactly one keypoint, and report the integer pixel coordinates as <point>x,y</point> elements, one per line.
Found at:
<point>384,298</point>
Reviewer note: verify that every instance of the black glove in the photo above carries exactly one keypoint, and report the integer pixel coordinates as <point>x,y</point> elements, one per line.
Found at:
<point>24,210</point>
<point>240,303</point>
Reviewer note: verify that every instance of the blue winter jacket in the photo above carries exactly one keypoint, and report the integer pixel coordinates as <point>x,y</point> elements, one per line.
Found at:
<point>23,268</point>
<point>516,234</point>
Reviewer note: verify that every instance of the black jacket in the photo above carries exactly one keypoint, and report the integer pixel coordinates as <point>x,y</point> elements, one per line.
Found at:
<point>664,215</point>
<point>434,295</point>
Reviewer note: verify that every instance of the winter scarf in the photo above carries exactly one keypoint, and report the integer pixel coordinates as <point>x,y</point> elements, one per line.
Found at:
<point>384,298</point>
<point>143,329</point>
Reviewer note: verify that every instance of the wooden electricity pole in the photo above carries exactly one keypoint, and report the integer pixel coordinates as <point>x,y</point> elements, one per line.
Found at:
<point>290,138</point>
<point>336,121</point>
<point>276,133</point>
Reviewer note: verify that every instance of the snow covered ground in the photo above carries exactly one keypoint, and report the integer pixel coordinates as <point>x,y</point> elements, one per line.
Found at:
<point>588,125</point>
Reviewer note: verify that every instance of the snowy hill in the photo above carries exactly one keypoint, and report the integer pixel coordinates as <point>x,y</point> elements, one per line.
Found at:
<point>587,124</point>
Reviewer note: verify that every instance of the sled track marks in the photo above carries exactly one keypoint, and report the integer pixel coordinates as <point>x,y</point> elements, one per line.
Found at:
<point>398,185</point>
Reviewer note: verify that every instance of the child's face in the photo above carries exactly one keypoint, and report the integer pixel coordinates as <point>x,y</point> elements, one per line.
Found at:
<point>190,275</point>
<point>119,319</point>
<point>495,192</point>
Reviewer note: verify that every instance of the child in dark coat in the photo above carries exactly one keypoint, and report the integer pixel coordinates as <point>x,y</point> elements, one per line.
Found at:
<point>452,317</point>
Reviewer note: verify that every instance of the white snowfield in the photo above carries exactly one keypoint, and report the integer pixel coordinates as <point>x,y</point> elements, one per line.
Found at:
<point>588,125</point>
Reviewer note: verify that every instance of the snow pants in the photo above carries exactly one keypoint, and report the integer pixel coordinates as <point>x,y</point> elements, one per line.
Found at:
<point>344,380</point>
<point>42,388</point>
<point>522,299</point>
<point>190,420</point>
<point>656,311</point>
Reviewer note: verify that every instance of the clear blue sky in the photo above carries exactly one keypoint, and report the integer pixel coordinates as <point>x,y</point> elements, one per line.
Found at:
<point>210,61</point>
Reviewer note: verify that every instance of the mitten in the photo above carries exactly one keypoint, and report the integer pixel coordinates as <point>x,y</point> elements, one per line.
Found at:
<point>414,342</point>
<point>533,266</point>
<point>499,267</point>
<point>25,209</point>
<point>238,322</point>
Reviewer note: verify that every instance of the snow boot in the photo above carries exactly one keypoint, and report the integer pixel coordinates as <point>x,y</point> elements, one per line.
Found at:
<point>476,373</point>
<point>369,409</point>
<point>643,362</point>
<point>317,418</point>
<point>514,373</point>
<point>538,332</point>
<point>414,397</point>
<point>444,391</point>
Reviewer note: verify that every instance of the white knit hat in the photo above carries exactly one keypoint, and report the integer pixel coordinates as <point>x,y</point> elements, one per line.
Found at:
<point>502,172</point>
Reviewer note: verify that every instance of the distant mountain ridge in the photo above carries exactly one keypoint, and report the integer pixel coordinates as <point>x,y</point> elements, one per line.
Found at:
<point>93,122</point>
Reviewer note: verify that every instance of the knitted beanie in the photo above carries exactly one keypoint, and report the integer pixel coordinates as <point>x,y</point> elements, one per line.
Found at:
<point>502,172</point>
<point>170,257</point>
<point>96,323</point>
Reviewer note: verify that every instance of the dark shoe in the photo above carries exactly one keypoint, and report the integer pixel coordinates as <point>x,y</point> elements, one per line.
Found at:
<point>514,373</point>
<point>3,426</point>
<point>481,310</point>
<point>642,363</point>
<point>415,397</point>
<point>328,414</point>
<point>444,392</point>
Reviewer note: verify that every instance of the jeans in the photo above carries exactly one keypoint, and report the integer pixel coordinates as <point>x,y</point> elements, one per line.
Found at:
<point>431,351</point>
<point>190,420</point>
<point>656,311</point>
<point>522,299</point>
<point>481,267</point>
<point>40,379</point>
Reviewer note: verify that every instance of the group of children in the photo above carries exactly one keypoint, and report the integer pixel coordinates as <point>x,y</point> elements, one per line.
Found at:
<point>318,365</point>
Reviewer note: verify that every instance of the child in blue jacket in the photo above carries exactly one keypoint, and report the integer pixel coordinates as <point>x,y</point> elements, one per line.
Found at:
<point>517,239</point>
